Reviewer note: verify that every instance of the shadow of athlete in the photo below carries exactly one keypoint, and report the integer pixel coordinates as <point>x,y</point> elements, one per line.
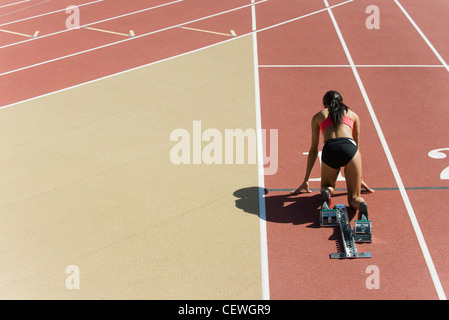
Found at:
<point>286,208</point>
<point>282,208</point>
<point>340,127</point>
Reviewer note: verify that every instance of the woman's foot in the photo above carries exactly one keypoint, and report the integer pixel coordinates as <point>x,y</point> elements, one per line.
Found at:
<point>363,211</point>
<point>326,199</point>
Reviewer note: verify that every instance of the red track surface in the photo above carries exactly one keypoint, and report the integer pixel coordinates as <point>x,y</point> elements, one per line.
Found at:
<point>409,104</point>
<point>403,100</point>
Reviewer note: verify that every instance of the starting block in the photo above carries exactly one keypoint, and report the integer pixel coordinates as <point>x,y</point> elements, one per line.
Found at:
<point>362,231</point>
<point>329,217</point>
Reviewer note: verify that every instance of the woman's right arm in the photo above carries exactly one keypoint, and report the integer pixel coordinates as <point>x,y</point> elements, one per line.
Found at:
<point>356,137</point>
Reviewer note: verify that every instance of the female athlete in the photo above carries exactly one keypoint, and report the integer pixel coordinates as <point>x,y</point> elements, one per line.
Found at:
<point>340,127</point>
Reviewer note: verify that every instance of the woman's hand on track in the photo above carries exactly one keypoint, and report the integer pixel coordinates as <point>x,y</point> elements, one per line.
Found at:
<point>305,186</point>
<point>367,189</point>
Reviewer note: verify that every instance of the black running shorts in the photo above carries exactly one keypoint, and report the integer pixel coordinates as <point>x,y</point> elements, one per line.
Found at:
<point>338,152</point>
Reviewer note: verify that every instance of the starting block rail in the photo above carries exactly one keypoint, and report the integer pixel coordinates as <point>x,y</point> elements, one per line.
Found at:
<point>362,231</point>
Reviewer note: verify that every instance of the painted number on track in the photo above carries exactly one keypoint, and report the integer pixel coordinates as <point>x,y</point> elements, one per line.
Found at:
<point>439,154</point>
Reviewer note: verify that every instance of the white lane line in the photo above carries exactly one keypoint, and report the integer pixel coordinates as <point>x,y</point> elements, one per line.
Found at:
<point>349,66</point>
<point>397,176</point>
<point>21,34</point>
<point>129,34</point>
<point>260,166</point>
<point>230,34</point>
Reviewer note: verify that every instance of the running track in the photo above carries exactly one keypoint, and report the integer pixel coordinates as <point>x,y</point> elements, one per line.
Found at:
<point>395,78</point>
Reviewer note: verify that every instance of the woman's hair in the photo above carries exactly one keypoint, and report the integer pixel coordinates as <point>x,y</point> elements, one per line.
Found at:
<point>334,102</point>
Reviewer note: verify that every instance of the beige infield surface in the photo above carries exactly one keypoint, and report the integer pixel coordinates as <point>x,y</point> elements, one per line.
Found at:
<point>87,181</point>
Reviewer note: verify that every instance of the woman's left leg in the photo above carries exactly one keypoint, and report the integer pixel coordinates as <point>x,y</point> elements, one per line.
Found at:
<point>329,177</point>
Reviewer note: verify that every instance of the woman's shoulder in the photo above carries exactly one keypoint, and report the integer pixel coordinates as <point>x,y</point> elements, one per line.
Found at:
<point>321,115</point>
<point>351,114</point>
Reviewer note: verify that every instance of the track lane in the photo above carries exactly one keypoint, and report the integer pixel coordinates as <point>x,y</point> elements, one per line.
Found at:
<point>395,43</point>
<point>305,45</point>
<point>412,135</point>
<point>276,11</point>
<point>298,248</point>
<point>393,91</point>
<point>310,274</point>
<point>432,20</point>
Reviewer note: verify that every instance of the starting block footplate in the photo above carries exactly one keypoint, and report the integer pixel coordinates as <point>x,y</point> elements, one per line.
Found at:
<point>343,255</point>
<point>363,231</point>
<point>329,218</point>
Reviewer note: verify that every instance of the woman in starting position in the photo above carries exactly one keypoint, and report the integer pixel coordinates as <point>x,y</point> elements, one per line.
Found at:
<point>341,130</point>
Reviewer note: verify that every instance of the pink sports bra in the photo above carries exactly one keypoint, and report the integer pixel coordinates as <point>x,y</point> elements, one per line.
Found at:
<point>328,122</point>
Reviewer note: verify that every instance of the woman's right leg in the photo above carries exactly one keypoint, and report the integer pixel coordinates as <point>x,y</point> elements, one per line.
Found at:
<point>353,175</point>
<point>329,177</point>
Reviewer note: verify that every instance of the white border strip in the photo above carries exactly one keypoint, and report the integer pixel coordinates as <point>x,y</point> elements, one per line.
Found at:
<point>349,66</point>
<point>260,162</point>
<point>405,198</point>
<point>423,35</point>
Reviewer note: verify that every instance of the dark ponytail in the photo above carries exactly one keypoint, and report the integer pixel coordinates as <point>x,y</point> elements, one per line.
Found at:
<point>334,102</point>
